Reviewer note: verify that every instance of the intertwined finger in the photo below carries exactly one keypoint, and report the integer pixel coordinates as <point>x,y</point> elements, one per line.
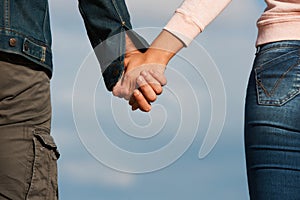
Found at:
<point>146,89</point>
<point>160,77</point>
<point>140,102</point>
<point>155,84</point>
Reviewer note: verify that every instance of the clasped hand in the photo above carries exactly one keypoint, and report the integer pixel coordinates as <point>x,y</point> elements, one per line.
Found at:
<point>141,81</point>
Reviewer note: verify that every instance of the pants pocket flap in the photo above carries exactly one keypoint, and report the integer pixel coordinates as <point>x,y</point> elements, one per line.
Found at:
<point>46,140</point>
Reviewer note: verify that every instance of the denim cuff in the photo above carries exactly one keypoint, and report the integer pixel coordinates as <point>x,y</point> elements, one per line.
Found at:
<point>112,74</point>
<point>111,54</point>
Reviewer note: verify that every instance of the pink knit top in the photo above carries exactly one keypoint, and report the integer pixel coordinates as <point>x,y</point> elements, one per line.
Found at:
<point>280,21</point>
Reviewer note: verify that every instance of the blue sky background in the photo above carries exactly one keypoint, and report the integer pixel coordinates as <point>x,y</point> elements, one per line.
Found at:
<point>229,40</point>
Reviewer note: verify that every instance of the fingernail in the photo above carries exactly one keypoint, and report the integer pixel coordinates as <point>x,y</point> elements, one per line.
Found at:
<point>148,109</point>
<point>140,80</point>
<point>154,72</point>
<point>136,92</point>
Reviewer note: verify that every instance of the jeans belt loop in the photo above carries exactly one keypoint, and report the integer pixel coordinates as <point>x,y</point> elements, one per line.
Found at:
<point>257,50</point>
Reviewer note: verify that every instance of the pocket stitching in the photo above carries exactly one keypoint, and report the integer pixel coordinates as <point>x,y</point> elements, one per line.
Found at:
<point>277,83</point>
<point>280,101</point>
<point>260,68</point>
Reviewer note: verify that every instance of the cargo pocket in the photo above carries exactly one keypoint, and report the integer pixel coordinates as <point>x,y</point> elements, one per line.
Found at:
<point>278,80</point>
<point>43,183</point>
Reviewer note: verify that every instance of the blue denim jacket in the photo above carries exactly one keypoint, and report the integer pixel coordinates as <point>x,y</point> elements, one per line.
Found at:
<point>106,22</point>
<point>25,31</point>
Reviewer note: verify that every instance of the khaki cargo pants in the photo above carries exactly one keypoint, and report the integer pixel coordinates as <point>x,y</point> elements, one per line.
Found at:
<point>28,154</point>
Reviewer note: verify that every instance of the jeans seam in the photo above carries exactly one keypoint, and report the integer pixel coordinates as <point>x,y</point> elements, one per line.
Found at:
<point>33,168</point>
<point>28,167</point>
<point>7,13</point>
<point>118,12</point>
<point>277,46</point>
<point>269,61</point>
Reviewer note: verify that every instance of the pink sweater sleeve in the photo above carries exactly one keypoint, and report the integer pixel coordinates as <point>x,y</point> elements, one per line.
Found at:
<point>193,16</point>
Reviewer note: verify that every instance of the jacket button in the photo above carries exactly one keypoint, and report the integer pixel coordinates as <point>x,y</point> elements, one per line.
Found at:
<point>12,42</point>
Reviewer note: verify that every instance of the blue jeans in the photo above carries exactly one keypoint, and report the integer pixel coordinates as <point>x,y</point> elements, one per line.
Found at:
<point>272,123</point>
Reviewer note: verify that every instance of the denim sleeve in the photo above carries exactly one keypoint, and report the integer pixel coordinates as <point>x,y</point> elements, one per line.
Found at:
<point>106,22</point>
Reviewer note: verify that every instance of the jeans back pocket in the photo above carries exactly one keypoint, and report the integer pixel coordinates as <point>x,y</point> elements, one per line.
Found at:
<point>278,79</point>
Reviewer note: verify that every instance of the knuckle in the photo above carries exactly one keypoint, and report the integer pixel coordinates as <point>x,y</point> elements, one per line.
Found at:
<point>115,92</point>
<point>141,82</point>
<point>126,93</point>
<point>127,97</point>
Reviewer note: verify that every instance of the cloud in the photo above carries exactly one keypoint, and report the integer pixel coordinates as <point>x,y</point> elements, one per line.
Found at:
<point>91,173</point>
<point>151,13</point>
<point>229,40</point>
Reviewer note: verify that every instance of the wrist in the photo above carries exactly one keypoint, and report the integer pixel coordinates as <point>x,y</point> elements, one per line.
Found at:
<point>164,47</point>
<point>160,56</point>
